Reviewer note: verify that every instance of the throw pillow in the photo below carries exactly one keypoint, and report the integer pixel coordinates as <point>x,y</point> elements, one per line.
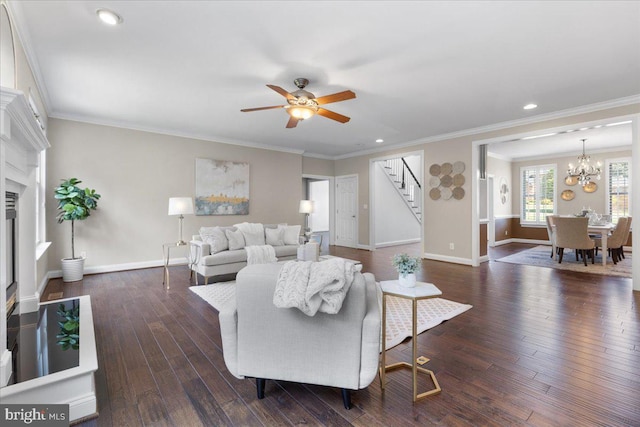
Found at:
<point>236,239</point>
<point>291,234</point>
<point>253,233</point>
<point>275,236</point>
<point>215,237</point>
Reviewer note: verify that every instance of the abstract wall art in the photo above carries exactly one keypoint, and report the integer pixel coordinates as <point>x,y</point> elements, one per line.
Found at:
<point>222,187</point>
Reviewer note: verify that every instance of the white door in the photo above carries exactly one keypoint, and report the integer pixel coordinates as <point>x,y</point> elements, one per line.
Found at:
<point>347,211</point>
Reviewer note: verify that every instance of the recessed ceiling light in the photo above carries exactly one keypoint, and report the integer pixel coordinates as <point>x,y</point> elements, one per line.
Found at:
<point>597,127</point>
<point>379,140</point>
<point>530,106</point>
<point>538,136</point>
<point>571,130</point>
<point>583,128</point>
<point>619,123</point>
<point>109,17</point>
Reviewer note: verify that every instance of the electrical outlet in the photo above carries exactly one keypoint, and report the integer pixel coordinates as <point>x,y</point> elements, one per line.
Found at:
<point>506,232</point>
<point>83,254</point>
<point>451,246</point>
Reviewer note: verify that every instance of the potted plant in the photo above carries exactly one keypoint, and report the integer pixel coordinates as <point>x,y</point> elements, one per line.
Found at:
<point>74,203</point>
<point>406,267</point>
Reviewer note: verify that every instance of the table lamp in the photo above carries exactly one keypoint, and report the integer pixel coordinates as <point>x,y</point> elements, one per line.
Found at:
<point>180,206</point>
<point>306,208</point>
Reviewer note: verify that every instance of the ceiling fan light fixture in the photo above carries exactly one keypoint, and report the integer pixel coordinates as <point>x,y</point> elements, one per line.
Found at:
<point>301,112</point>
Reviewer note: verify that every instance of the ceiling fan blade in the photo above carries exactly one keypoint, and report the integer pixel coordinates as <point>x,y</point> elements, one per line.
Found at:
<point>333,116</point>
<point>340,96</point>
<point>281,91</point>
<point>246,110</point>
<point>293,122</point>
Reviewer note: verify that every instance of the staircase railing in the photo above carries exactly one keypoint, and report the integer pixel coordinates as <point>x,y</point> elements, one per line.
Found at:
<point>406,183</point>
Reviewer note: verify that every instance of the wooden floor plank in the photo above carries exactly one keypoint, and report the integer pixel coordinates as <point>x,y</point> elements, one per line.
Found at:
<point>540,347</point>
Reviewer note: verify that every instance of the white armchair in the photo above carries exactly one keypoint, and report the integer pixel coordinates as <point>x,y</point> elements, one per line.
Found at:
<point>265,342</point>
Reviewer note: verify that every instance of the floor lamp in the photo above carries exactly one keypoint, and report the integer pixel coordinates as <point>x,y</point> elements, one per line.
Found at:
<point>180,206</point>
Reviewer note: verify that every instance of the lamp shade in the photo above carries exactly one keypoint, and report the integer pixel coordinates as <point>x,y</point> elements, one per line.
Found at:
<point>306,206</point>
<point>180,206</point>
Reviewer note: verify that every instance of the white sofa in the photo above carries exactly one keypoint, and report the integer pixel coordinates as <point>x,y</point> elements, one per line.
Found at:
<point>221,250</point>
<point>262,341</point>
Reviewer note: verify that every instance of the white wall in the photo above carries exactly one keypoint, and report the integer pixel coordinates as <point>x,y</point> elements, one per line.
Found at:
<point>136,173</point>
<point>319,193</point>
<point>395,223</point>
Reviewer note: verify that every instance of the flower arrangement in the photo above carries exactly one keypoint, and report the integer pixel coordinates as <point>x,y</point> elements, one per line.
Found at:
<point>405,264</point>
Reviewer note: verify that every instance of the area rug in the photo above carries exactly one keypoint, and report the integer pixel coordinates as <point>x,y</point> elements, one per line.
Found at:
<point>431,312</point>
<point>540,256</point>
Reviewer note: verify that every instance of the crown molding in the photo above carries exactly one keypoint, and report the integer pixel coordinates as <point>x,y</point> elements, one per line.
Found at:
<point>24,37</point>
<point>599,106</point>
<point>195,136</point>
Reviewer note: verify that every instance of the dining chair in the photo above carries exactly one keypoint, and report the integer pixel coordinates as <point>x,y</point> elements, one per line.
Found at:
<point>616,241</point>
<point>571,233</point>
<point>552,233</point>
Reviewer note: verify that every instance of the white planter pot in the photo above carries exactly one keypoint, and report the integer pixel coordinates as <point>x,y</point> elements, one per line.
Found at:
<point>72,269</point>
<point>408,281</point>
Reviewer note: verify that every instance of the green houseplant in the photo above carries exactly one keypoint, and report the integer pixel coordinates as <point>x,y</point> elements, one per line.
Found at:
<point>69,336</point>
<point>74,204</point>
<point>406,267</point>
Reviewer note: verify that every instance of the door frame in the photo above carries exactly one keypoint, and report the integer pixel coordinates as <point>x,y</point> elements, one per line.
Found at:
<point>372,195</point>
<point>332,217</point>
<point>335,213</point>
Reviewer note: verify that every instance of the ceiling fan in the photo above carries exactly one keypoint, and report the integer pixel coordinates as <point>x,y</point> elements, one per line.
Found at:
<point>303,104</point>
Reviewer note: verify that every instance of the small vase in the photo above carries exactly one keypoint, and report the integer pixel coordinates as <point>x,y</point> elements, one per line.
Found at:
<point>408,281</point>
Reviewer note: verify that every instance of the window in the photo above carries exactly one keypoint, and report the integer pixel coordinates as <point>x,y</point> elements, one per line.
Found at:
<point>618,180</point>
<point>538,194</point>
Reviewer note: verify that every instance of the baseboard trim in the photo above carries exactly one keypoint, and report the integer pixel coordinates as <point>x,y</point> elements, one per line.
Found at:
<point>532,241</point>
<point>121,267</point>
<point>454,260</point>
<point>397,243</point>
<point>365,247</point>
<point>484,258</point>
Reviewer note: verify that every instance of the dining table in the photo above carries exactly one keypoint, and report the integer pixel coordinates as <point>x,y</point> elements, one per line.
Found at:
<point>603,230</point>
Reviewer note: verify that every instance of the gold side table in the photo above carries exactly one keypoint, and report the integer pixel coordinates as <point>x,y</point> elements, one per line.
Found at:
<point>166,255</point>
<point>419,292</point>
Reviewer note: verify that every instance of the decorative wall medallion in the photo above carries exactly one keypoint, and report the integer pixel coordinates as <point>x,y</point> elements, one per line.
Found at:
<point>458,193</point>
<point>591,187</point>
<point>446,193</point>
<point>434,194</point>
<point>446,168</point>
<point>446,181</point>
<point>567,195</point>
<point>458,167</point>
<point>504,190</point>
<point>571,180</point>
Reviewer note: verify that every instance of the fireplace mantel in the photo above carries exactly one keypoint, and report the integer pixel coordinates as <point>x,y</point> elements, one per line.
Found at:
<point>21,141</point>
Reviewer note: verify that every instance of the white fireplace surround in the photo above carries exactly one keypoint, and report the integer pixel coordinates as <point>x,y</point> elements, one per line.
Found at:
<point>21,141</point>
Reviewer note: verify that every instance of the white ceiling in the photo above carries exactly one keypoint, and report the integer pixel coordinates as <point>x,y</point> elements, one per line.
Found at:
<point>419,69</point>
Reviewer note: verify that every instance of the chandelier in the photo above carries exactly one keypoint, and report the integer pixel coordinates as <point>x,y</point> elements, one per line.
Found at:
<point>584,170</point>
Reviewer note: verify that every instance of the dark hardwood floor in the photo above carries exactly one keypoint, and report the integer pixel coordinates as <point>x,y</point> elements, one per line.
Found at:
<point>540,347</point>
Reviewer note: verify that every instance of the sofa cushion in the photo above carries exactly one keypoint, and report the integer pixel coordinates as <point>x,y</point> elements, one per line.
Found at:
<point>253,233</point>
<point>236,239</point>
<point>225,257</point>
<point>275,236</point>
<point>215,237</point>
<point>291,234</point>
